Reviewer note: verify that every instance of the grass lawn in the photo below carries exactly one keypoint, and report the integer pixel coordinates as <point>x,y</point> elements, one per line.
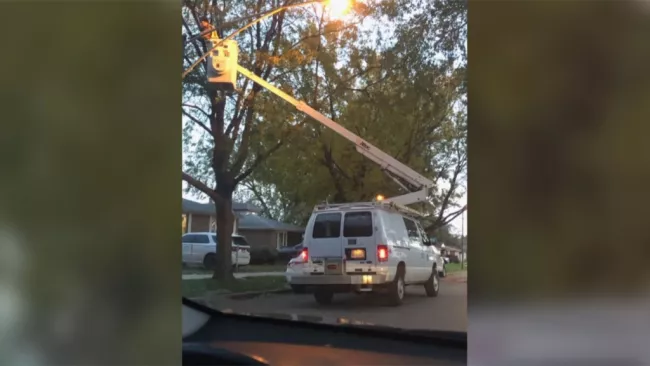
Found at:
<point>454,267</point>
<point>195,288</point>
<point>263,268</point>
<point>244,269</point>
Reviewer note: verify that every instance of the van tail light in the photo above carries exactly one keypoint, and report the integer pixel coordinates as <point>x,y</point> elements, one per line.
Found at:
<point>382,252</point>
<point>304,255</point>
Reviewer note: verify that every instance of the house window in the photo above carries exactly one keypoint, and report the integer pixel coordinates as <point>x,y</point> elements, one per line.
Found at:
<point>282,239</point>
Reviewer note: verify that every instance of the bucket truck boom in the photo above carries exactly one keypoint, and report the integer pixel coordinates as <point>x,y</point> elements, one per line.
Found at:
<point>395,169</point>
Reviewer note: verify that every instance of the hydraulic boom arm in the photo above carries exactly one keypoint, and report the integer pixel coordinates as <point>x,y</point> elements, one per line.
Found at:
<point>385,161</point>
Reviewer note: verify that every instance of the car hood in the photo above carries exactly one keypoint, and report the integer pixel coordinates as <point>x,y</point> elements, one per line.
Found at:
<point>344,321</point>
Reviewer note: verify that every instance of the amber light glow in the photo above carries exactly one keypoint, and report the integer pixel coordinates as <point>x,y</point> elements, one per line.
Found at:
<point>338,8</point>
<point>358,254</point>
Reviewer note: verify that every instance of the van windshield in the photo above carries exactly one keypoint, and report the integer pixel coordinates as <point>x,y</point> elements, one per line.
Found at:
<point>357,224</point>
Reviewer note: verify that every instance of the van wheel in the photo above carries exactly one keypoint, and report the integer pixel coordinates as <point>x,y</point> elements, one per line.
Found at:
<point>432,285</point>
<point>210,261</point>
<point>397,289</point>
<point>323,296</point>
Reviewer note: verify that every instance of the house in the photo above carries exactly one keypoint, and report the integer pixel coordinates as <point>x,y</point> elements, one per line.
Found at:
<point>264,232</point>
<point>452,252</point>
<point>198,216</point>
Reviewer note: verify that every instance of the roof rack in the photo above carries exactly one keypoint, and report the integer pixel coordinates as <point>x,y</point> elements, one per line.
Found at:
<point>374,204</point>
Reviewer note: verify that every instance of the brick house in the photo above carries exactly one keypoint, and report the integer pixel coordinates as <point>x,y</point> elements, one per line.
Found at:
<point>259,231</point>
<point>198,216</point>
<point>264,232</point>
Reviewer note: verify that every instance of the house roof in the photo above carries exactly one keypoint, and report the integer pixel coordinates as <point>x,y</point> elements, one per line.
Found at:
<point>194,207</point>
<point>256,222</point>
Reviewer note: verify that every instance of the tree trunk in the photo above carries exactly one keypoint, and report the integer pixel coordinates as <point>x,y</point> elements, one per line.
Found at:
<point>225,222</point>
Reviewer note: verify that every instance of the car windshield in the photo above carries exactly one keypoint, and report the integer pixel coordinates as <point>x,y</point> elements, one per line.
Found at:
<point>303,194</point>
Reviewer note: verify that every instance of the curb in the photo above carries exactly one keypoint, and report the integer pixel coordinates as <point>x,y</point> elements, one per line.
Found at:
<point>242,295</point>
<point>253,294</point>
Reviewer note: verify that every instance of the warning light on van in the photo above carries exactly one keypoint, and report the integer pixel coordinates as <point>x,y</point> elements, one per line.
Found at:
<point>380,197</point>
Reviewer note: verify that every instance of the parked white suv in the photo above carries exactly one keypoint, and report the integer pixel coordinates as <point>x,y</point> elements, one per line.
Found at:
<point>200,249</point>
<point>365,247</point>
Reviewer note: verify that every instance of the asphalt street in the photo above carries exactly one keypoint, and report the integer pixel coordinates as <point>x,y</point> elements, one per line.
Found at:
<point>447,311</point>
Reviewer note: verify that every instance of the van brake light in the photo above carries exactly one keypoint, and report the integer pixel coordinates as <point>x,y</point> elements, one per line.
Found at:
<point>382,252</point>
<point>304,254</point>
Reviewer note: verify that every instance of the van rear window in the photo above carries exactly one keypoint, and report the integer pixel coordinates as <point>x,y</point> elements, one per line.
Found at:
<point>357,224</point>
<point>327,225</point>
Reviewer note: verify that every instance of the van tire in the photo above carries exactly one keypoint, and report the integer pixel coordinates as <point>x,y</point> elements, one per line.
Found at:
<point>210,261</point>
<point>432,286</point>
<point>323,296</point>
<point>397,288</point>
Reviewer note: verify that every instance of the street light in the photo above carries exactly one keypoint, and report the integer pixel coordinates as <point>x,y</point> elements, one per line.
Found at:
<point>337,9</point>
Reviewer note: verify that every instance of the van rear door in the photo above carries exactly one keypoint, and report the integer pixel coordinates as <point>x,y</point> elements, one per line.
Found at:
<point>359,241</point>
<point>325,244</point>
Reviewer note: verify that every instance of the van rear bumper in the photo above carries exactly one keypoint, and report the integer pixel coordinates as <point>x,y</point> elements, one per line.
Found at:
<point>321,279</point>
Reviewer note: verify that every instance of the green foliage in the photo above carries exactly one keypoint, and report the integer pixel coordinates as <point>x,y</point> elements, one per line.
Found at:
<point>396,95</point>
<point>444,235</point>
<point>263,256</point>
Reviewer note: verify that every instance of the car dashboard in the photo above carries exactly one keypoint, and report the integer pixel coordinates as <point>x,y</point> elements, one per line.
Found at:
<point>214,338</point>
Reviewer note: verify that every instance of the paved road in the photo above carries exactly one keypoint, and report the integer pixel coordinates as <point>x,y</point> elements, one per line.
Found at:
<point>448,311</point>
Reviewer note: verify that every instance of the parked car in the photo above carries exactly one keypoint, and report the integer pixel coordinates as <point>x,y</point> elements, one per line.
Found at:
<point>200,249</point>
<point>296,266</point>
<point>365,247</point>
<point>287,253</point>
<point>440,260</point>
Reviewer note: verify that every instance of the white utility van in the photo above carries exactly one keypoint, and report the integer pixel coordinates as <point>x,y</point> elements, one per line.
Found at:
<point>365,247</point>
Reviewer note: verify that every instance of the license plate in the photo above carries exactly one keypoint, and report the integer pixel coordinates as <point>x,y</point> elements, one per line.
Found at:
<point>333,266</point>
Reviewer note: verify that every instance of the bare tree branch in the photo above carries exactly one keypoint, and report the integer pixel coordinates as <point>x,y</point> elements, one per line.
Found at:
<point>196,120</point>
<point>258,160</point>
<point>265,208</point>
<point>196,48</point>
<point>197,108</point>
<point>202,187</point>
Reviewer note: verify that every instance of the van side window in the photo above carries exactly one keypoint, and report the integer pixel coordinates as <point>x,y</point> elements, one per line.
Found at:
<point>357,224</point>
<point>327,225</point>
<point>413,232</point>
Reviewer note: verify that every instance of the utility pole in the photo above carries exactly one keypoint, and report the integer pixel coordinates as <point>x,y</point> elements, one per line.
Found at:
<point>462,241</point>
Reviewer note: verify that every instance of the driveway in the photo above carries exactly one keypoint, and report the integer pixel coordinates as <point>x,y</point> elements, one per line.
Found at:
<point>447,311</point>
